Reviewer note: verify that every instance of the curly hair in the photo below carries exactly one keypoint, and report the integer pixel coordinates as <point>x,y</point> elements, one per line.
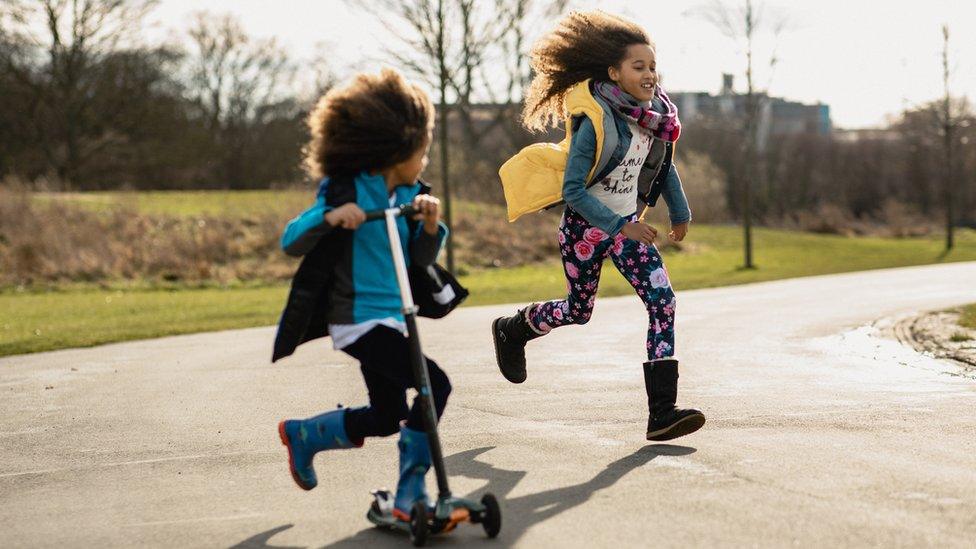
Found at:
<point>583,45</point>
<point>373,122</point>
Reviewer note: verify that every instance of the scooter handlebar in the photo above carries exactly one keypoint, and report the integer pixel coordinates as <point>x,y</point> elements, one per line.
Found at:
<point>406,210</point>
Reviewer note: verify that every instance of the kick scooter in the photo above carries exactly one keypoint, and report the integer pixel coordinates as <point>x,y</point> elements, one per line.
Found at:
<point>449,511</point>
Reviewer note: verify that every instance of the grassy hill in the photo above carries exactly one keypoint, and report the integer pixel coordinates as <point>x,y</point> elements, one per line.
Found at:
<point>83,312</point>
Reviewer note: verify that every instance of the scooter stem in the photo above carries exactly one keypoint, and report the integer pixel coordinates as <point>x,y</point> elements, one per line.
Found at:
<point>417,361</point>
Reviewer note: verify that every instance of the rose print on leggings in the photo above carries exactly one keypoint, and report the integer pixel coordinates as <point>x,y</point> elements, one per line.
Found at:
<point>659,278</point>
<point>583,248</point>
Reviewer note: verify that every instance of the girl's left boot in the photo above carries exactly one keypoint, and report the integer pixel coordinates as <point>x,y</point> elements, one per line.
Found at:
<point>511,333</point>
<point>414,464</point>
<point>665,421</point>
<point>306,437</point>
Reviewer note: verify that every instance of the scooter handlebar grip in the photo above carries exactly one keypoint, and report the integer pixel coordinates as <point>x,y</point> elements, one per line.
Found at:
<point>406,210</point>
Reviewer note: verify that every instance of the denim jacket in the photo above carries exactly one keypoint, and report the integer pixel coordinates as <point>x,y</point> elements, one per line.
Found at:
<point>582,153</point>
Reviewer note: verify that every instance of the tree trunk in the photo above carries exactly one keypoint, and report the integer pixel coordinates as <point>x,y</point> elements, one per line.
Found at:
<point>443,112</point>
<point>751,145</point>
<point>947,135</point>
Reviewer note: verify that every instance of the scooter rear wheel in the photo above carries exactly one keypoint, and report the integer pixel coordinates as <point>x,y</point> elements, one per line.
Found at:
<point>418,524</point>
<point>492,522</point>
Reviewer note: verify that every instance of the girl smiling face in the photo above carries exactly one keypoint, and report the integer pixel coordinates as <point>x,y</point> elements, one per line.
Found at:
<point>637,73</point>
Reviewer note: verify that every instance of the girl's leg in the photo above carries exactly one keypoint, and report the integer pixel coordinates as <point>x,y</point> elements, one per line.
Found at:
<point>583,249</point>
<point>643,267</point>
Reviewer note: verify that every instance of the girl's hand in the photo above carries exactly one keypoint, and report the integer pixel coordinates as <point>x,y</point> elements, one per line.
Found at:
<point>348,216</point>
<point>429,208</point>
<point>640,232</point>
<point>678,231</point>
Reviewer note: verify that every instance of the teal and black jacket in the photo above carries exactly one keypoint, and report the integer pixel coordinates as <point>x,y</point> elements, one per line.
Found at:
<point>347,277</point>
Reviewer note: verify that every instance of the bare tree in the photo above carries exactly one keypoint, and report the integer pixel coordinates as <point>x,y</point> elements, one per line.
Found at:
<point>475,37</point>
<point>73,38</point>
<point>948,122</point>
<point>499,39</point>
<point>324,76</point>
<point>450,44</point>
<point>237,84</point>
<point>425,27</point>
<point>742,24</point>
<point>9,86</point>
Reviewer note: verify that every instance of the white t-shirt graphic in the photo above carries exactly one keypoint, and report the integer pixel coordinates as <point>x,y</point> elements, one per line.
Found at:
<point>618,190</point>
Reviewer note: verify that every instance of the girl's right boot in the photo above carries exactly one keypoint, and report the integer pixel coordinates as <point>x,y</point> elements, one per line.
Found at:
<point>306,437</point>
<point>511,333</point>
<point>664,420</point>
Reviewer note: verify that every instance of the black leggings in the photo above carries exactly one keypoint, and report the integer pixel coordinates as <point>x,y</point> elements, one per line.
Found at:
<point>384,358</point>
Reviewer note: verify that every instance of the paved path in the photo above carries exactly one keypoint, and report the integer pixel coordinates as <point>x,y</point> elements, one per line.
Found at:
<point>818,433</point>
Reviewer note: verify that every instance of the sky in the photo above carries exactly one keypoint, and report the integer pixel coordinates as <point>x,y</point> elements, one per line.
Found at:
<point>868,60</point>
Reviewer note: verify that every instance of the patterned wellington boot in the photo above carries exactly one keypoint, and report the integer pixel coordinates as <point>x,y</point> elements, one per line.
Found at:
<point>511,333</point>
<point>664,421</point>
<point>306,437</point>
<point>414,464</point>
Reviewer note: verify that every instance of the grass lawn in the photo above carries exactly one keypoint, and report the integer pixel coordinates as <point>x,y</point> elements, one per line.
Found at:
<point>188,203</point>
<point>32,322</point>
<point>968,317</point>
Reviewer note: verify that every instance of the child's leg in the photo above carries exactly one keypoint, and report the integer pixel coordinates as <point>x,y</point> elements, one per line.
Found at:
<point>643,267</point>
<point>385,361</point>
<point>583,249</point>
<point>384,358</point>
<point>387,406</point>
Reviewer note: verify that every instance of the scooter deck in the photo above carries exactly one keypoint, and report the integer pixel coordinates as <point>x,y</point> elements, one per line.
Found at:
<point>380,514</point>
<point>386,520</point>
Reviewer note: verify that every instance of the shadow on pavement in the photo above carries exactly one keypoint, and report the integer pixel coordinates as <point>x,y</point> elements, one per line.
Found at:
<point>518,514</point>
<point>261,540</point>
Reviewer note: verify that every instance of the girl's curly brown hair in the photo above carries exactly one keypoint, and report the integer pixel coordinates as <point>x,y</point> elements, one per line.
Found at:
<point>583,45</point>
<point>371,123</point>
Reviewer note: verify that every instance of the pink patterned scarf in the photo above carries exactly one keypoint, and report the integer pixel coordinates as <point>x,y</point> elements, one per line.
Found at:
<point>664,126</point>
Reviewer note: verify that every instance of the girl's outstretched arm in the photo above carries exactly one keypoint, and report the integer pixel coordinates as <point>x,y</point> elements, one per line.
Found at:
<point>678,210</point>
<point>674,196</point>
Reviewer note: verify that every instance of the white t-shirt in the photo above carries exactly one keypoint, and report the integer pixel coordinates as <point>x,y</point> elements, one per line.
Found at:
<point>618,190</point>
<point>344,335</point>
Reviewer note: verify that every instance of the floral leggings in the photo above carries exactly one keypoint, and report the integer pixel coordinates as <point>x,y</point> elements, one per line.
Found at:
<point>583,248</point>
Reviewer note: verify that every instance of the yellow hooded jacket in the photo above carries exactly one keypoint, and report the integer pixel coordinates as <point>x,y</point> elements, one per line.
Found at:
<point>533,179</point>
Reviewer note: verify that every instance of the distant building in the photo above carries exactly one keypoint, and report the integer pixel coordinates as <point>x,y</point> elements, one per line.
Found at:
<point>777,116</point>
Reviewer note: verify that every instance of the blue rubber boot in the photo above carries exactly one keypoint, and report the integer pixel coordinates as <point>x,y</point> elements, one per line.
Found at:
<point>414,464</point>
<point>306,437</point>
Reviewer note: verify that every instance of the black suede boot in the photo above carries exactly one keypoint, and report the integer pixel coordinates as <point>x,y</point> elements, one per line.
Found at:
<point>665,422</point>
<point>511,333</point>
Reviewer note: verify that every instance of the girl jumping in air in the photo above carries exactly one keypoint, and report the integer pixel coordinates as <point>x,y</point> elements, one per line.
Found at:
<point>598,73</point>
<point>369,144</point>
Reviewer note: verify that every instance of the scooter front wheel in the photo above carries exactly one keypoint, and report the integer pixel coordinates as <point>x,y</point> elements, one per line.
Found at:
<point>492,522</point>
<point>419,529</point>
